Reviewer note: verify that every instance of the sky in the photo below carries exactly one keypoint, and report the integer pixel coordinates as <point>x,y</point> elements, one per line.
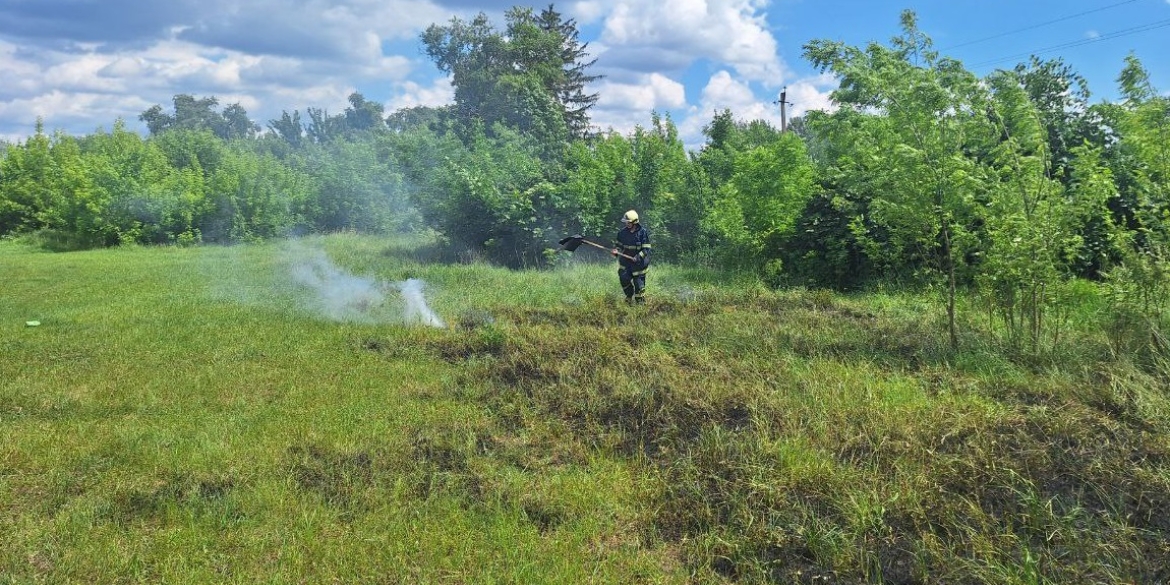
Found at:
<point>80,65</point>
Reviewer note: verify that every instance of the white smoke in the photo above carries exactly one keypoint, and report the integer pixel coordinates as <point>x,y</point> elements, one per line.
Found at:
<point>416,306</point>
<point>338,295</point>
<point>341,296</point>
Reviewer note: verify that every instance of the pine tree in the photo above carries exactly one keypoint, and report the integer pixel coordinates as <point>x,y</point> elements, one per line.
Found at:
<point>570,92</point>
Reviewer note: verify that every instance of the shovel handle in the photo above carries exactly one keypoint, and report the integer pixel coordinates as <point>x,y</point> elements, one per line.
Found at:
<point>596,245</point>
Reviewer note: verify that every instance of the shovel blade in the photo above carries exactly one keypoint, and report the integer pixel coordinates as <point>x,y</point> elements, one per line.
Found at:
<point>571,243</point>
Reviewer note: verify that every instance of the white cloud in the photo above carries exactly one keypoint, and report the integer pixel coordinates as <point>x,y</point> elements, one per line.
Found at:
<point>265,55</point>
<point>133,80</point>
<point>270,56</point>
<point>812,93</point>
<point>726,31</point>
<point>21,77</point>
<point>67,109</point>
<point>622,106</point>
<point>724,91</point>
<point>590,11</point>
<point>411,95</point>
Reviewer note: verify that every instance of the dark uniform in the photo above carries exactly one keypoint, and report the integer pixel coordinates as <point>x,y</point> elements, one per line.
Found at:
<point>631,273</point>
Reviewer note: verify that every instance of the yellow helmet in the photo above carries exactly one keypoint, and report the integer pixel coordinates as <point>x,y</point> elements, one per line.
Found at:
<point>631,216</point>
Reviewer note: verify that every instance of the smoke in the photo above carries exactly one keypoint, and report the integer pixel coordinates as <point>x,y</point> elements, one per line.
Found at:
<point>340,296</point>
<point>334,293</point>
<point>416,306</point>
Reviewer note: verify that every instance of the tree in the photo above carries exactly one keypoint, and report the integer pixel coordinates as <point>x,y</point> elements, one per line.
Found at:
<point>362,115</point>
<point>324,128</point>
<point>922,111</point>
<point>416,117</point>
<point>599,179</point>
<point>528,77</point>
<point>570,91</point>
<point>28,180</point>
<point>661,188</point>
<point>755,213</point>
<point>193,113</point>
<point>289,127</point>
<point>132,171</point>
<point>1140,286</point>
<point>489,198</point>
<point>236,124</point>
<point>1030,229</point>
<point>1061,99</point>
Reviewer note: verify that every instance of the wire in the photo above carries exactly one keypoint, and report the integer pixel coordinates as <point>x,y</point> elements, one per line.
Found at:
<point>1035,26</point>
<point>1082,42</point>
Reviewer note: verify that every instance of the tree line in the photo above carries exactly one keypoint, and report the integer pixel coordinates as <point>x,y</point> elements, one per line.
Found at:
<point>1014,186</point>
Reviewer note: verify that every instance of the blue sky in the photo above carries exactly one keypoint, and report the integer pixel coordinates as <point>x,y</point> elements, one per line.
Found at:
<point>82,64</point>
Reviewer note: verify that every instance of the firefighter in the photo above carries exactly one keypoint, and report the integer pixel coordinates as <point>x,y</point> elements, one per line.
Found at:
<point>632,240</point>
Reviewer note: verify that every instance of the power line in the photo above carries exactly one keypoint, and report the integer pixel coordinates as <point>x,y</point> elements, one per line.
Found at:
<point>1039,25</point>
<point>1082,42</point>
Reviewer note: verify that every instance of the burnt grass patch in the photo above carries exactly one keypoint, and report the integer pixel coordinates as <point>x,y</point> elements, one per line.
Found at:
<point>450,462</point>
<point>1052,486</point>
<point>149,503</point>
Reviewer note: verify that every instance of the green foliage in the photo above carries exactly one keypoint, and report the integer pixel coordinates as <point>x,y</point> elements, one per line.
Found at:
<point>1140,285</point>
<point>600,177</point>
<point>193,113</point>
<point>488,199</point>
<point>256,198</point>
<point>354,188</point>
<point>755,214</point>
<point>289,127</point>
<point>528,77</point>
<point>663,190</point>
<point>27,176</point>
<point>923,111</point>
<point>188,186</point>
<point>1029,228</point>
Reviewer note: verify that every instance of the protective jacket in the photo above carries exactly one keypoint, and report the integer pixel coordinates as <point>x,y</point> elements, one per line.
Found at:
<point>637,244</point>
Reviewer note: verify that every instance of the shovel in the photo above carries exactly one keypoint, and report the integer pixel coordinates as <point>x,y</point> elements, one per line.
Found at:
<point>573,242</point>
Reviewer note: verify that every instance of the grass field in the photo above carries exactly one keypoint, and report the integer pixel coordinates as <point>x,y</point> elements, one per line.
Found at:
<point>281,413</point>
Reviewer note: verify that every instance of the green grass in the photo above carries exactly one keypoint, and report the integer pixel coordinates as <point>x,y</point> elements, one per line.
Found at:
<point>195,415</point>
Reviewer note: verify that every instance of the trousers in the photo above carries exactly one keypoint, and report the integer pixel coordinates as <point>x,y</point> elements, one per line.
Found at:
<point>633,280</point>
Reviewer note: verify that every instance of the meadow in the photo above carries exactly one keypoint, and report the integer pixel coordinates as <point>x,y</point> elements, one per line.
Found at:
<point>286,413</point>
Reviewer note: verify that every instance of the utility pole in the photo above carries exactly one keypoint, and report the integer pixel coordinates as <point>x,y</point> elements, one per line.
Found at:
<point>783,101</point>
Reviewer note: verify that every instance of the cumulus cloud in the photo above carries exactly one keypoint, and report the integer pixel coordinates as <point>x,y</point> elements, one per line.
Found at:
<point>114,22</point>
<point>303,28</point>
<point>725,31</point>
<point>266,56</point>
<point>623,105</point>
<point>725,91</point>
<point>82,64</point>
<point>411,95</point>
<point>590,11</point>
<point>812,94</point>
<point>85,111</point>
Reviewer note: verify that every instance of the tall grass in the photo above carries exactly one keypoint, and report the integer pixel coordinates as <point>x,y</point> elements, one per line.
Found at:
<point>195,415</point>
